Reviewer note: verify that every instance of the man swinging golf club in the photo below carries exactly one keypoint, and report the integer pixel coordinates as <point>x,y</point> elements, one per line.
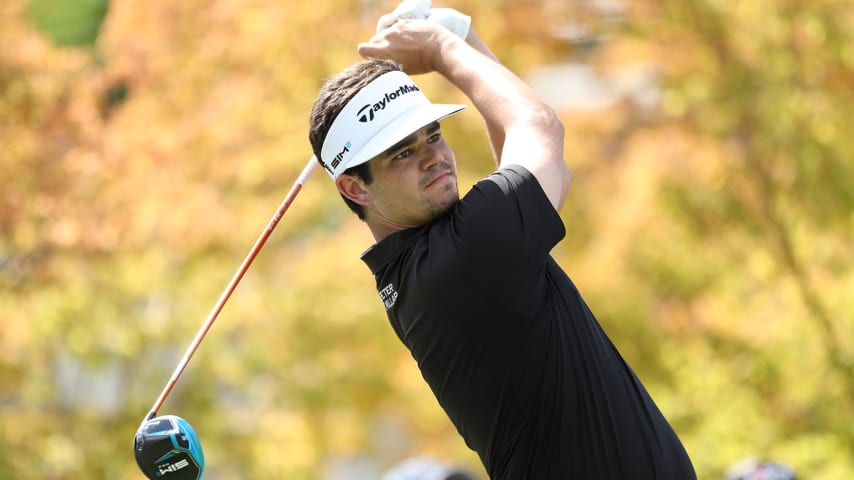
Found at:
<point>500,333</point>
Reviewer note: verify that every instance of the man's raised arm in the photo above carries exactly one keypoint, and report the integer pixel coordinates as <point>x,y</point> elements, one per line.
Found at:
<point>533,134</point>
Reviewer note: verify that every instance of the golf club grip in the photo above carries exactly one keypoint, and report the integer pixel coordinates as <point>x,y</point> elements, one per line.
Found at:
<point>194,345</point>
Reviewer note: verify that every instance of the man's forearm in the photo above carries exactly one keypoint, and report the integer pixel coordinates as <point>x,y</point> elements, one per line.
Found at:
<point>494,132</point>
<point>523,129</point>
<point>504,100</point>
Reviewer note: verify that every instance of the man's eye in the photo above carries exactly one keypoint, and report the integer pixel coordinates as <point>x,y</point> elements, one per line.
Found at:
<point>434,138</point>
<point>403,154</point>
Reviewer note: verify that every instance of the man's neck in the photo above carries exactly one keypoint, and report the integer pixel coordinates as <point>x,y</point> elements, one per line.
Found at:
<point>381,230</point>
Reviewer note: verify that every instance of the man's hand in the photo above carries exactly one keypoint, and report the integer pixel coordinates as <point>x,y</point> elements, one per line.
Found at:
<point>415,44</point>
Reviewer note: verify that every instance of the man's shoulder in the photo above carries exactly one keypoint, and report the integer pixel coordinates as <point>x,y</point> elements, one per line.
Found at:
<point>510,176</point>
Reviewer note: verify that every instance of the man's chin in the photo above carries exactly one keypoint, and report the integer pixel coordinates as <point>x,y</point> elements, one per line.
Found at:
<point>441,208</point>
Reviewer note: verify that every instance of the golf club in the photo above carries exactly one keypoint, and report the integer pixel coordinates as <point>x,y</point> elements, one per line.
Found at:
<point>167,446</point>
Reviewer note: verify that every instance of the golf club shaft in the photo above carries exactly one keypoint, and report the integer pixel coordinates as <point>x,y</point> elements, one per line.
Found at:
<point>194,345</point>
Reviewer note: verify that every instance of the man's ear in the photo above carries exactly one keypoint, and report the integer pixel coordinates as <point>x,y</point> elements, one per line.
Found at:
<point>353,188</point>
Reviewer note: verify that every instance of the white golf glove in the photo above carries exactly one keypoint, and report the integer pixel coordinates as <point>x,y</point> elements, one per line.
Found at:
<point>419,9</point>
<point>453,20</point>
<point>458,23</point>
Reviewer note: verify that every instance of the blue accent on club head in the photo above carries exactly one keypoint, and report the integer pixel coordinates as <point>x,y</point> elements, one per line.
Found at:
<point>184,439</point>
<point>194,446</point>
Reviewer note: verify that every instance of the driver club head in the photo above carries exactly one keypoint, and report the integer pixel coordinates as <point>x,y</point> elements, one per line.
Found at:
<point>167,448</point>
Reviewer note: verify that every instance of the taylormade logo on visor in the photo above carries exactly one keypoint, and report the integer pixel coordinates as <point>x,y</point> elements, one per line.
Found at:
<point>366,113</point>
<point>382,113</point>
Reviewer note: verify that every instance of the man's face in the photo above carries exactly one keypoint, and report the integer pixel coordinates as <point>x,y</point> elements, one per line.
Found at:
<point>415,181</point>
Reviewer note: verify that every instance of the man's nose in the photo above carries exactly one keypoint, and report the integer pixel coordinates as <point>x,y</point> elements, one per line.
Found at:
<point>432,155</point>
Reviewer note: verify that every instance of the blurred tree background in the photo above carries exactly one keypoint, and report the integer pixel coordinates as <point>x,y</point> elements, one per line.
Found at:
<point>709,226</point>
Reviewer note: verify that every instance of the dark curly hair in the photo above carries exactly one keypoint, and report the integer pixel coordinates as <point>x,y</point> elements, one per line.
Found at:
<point>332,98</point>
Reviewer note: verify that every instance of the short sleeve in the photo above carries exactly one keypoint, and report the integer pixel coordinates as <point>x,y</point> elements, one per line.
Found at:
<point>505,226</point>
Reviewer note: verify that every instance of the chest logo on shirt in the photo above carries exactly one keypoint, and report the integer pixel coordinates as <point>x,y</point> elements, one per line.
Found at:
<point>388,294</point>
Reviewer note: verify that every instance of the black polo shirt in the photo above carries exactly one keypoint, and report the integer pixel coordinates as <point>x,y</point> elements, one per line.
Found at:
<point>510,349</point>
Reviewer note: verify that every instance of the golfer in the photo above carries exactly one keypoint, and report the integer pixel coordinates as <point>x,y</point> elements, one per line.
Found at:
<point>500,333</point>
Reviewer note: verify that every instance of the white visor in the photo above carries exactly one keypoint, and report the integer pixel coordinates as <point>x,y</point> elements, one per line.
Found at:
<point>383,113</point>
